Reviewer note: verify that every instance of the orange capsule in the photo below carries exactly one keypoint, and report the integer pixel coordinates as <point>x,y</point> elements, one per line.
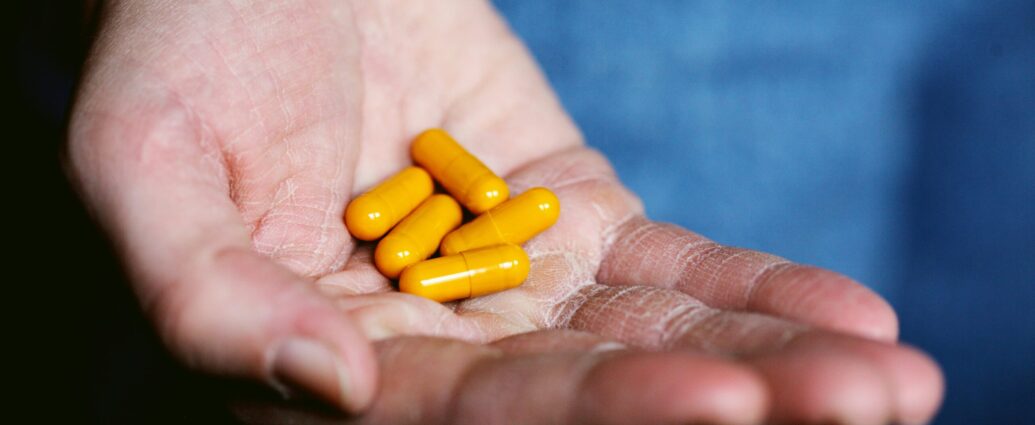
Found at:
<point>460,173</point>
<point>468,274</point>
<point>514,222</point>
<point>372,214</point>
<point>418,235</point>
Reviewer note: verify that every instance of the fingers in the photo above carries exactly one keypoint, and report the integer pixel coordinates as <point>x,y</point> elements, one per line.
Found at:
<point>218,305</point>
<point>523,381</point>
<point>556,341</point>
<point>681,389</point>
<point>240,314</point>
<point>566,256</point>
<point>822,378</point>
<point>601,236</point>
<point>527,384</point>
<point>815,376</point>
<point>648,253</point>
<point>391,314</point>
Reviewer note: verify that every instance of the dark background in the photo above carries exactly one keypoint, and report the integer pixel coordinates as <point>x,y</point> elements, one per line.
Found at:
<point>82,352</point>
<point>891,141</point>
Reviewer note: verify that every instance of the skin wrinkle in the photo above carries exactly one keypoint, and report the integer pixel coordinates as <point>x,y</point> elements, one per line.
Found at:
<point>550,316</point>
<point>563,312</point>
<point>585,179</point>
<point>300,185</point>
<point>714,280</point>
<point>203,137</point>
<point>201,70</point>
<point>507,317</point>
<point>195,122</point>
<point>682,320</point>
<point>296,218</point>
<point>803,298</point>
<point>290,210</point>
<point>679,322</point>
<point>253,176</point>
<point>740,334</point>
<point>695,258</point>
<point>278,90</point>
<point>208,142</point>
<point>690,255</point>
<point>548,305</point>
<point>278,86</point>
<point>650,258</point>
<point>605,306</point>
<point>359,276</point>
<point>638,239</point>
<point>259,118</point>
<point>711,275</point>
<point>571,163</point>
<point>709,264</point>
<point>763,276</point>
<point>610,234</point>
<point>489,325</point>
<point>609,238</point>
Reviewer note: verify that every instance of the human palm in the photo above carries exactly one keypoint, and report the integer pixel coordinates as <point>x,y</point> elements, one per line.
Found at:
<point>213,137</point>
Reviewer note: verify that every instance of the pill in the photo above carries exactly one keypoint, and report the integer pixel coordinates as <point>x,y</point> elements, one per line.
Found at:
<point>417,237</point>
<point>467,274</point>
<point>373,213</point>
<point>473,184</point>
<point>514,221</point>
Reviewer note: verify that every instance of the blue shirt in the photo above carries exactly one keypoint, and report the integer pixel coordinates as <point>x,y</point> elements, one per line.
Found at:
<point>891,141</point>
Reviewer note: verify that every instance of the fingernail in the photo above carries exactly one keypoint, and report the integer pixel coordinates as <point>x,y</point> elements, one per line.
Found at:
<point>308,367</point>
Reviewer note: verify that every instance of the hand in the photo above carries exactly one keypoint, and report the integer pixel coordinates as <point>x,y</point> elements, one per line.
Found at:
<point>219,142</point>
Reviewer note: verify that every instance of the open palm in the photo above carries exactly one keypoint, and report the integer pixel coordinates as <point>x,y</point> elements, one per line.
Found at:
<point>212,137</point>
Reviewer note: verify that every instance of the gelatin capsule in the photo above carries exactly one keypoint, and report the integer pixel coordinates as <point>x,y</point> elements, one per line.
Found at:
<point>462,175</point>
<point>417,237</point>
<point>467,274</point>
<point>514,222</point>
<point>373,213</point>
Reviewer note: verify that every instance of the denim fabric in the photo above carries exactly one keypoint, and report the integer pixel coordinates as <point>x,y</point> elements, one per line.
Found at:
<point>891,141</point>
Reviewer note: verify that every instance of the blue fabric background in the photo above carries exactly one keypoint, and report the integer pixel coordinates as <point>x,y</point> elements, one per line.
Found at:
<point>891,141</point>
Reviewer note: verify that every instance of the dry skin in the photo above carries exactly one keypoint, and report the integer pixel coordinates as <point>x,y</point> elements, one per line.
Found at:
<point>249,125</point>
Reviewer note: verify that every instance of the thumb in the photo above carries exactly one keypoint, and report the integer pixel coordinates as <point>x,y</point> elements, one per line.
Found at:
<point>238,313</point>
<point>218,305</point>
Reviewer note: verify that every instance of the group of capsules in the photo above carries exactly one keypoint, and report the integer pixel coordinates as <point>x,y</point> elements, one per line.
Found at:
<point>477,258</point>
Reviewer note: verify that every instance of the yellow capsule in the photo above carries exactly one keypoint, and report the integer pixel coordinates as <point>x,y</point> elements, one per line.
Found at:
<point>467,274</point>
<point>418,235</point>
<point>372,214</point>
<point>514,222</point>
<point>460,173</point>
